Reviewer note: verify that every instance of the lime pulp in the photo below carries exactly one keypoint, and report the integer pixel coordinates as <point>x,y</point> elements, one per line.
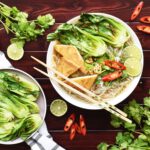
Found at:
<point>132,52</point>
<point>14,52</point>
<point>133,66</point>
<point>58,107</point>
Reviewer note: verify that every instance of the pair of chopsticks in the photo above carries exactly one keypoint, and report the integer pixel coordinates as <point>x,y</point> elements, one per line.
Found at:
<point>110,108</point>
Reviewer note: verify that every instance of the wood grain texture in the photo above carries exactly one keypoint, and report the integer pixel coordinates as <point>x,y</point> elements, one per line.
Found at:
<point>99,128</point>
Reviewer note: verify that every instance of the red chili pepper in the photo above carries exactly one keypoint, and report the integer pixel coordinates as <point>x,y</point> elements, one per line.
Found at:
<point>144,28</point>
<point>145,19</point>
<point>114,64</point>
<point>112,76</point>
<point>72,132</point>
<point>82,125</point>
<point>78,129</point>
<point>69,122</point>
<point>137,10</point>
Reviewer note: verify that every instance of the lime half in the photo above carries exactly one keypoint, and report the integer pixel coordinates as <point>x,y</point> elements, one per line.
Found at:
<point>133,66</point>
<point>15,52</point>
<point>132,51</point>
<point>58,107</point>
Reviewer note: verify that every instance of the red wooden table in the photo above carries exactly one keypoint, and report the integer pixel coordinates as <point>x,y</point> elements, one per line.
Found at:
<point>98,125</point>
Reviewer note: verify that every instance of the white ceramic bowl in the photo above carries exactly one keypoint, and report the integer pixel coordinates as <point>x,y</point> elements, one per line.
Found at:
<point>79,102</point>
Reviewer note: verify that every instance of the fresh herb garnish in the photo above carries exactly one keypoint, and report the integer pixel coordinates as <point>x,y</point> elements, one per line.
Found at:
<point>17,23</point>
<point>132,139</point>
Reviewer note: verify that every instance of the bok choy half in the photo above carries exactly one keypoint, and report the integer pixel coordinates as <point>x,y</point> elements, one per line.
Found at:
<point>19,113</point>
<point>111,31</point>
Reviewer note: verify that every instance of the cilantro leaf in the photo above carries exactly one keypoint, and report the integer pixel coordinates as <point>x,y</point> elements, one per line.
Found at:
<point>115,121</point>
<point>102,146</point>
<point>124,139</point>
<point>147,101</point>
<point>134,110</point>
<point>130,126</point>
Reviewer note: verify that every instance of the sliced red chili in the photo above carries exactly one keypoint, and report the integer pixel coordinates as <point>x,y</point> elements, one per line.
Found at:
<point>72,132</point>
<point>112,76</point>
<point>82,126</point>
<point>69,122</point>
<point>145,19</point>
<point>144,28</point>
<point>137,10</point>
<point>78,129</point>
<point>114,64</point>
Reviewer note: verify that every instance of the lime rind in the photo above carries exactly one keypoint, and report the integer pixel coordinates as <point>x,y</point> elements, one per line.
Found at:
<point>58,107</point>
<point>14,52</point>
<point>132,52</point>
<point>133,66</point>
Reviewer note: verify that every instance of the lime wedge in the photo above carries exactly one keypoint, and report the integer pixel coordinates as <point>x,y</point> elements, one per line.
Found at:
<point>14,52</point>
<point>132,51</point>
<point>58,107</point>
<point>133,66</point>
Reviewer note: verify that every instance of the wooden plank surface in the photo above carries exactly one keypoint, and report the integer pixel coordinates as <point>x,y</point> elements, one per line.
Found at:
<point>99,129</point>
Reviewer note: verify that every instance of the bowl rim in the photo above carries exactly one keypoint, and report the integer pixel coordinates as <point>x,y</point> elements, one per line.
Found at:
<point>116,100</point>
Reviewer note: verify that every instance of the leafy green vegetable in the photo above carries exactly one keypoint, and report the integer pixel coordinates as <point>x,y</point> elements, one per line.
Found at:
<point>147,101</point>
<point>110,30</point>
<point>18,111</point>
<point>84,41</point>
<point>126,140</point>
<point>16,22</point>
<point>30,125</point>
<point>19,86</point>
<point>5,115</point>
<point>102,146</point>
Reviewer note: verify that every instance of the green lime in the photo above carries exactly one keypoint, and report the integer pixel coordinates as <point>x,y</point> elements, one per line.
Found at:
<point>58,107</point>
<point>133,66</point>
<point>14,52</point>
<point>132,51</point>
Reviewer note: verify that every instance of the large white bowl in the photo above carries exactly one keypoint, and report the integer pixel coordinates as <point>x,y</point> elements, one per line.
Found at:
<point>79,102</point>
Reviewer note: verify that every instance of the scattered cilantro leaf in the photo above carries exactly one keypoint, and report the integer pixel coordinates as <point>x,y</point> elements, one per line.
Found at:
<point>147,101</point>
<point>102,146</point>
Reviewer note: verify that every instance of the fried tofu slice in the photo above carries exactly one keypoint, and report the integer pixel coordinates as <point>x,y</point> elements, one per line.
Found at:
<point>72,54</point>
<point>85,81</point>
<point>66,67</point>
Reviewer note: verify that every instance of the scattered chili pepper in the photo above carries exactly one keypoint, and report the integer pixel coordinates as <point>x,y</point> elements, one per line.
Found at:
<point>74,127</point>
<point>145,19</point>
<point>72,132</point>
<point>137,10</point>
<point>69,122</point>
<point>144,28</point>
<point>112,76</point>
<point>78,129</point>
<point>115,65</point>
<point>82,125</point>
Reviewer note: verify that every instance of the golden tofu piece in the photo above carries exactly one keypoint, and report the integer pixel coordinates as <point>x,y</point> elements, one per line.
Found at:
<point>72,54</point>
<point>66,67</point>
<point>85,81</point>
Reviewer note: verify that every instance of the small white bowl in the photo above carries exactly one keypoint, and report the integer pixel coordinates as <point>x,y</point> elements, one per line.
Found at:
<point>80,102</point>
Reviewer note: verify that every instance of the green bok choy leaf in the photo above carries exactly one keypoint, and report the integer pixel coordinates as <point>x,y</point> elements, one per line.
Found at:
<point>87,43</point>
<point>111,31</point>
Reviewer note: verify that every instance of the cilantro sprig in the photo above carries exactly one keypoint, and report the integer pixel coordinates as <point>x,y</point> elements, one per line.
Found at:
<point>137,134</point>
<point>17,23</point>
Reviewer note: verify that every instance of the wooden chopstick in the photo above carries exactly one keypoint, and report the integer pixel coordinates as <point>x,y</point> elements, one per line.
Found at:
<point>80,87</point>
<point>83,95</point>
